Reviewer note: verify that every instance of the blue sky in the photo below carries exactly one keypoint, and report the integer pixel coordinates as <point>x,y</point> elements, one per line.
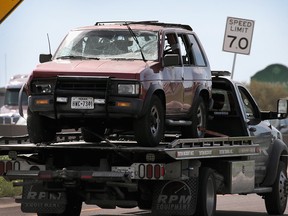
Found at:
<point>23,33</point>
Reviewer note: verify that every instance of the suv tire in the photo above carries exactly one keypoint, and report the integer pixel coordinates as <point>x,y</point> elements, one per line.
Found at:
<point>199,120</point>
<point>40,128</point>
<point>149,129</point>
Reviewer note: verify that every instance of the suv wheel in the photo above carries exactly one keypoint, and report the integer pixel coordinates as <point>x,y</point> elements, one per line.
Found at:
<point>199,121</point>
<point>149,129</point>
<point>40,128</point>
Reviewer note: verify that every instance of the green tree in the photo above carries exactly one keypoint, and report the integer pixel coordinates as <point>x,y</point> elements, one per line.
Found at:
<point>266,94</point>
<point>274,73</point>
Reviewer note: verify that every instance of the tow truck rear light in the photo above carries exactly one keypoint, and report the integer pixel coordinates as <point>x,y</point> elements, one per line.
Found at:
<point>8,166</point>
<point>157,171</point>
<point>151,171</point>
<point>86,175</point>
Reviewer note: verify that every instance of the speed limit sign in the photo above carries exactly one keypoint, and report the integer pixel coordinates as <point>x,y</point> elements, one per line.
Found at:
<point>238,35</point>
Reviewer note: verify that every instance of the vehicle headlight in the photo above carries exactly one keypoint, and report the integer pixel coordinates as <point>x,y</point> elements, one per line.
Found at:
<point>128,88</point>
<point>44,88</point>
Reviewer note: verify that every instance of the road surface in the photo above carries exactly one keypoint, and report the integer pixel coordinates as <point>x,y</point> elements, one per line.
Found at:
<point>228,205</point>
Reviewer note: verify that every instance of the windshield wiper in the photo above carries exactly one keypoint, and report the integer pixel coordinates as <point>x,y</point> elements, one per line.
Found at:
<point>76,57</point>
<point>70,57</point>
<point>136,40</point>
<point>94,58</point>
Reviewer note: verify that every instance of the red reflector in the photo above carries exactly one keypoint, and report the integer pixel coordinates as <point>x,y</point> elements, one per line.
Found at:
<point>86,177</point>
<point>8,166</point>
<point>149,171</point>
<point>163,171</point>
<point>157,171</point>
<point>2,168</point>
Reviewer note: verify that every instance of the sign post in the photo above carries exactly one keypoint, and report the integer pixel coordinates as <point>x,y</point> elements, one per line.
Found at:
<point>238,37</point>
<point>6,8</point>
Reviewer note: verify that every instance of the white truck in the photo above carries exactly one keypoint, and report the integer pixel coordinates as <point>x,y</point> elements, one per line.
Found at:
<point>11,122</point>
<point>241,153</point>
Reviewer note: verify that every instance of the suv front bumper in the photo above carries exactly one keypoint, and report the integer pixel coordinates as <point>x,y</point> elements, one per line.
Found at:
<point>116,107</point>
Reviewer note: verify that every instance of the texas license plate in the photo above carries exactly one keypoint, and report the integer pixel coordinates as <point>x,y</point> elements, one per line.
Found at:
<point>82,103</point>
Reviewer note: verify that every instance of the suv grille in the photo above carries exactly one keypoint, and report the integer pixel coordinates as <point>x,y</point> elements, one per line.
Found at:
<point>95,85</point>
<point>75,83</point>
<point>83,86</point>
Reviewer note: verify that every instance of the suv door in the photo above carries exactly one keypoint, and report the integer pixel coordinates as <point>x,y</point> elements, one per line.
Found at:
<point>195,70</point>
<point>172,77</point>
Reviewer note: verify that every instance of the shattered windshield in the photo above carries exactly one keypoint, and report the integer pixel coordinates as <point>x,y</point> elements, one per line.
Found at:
<point>108,44</point>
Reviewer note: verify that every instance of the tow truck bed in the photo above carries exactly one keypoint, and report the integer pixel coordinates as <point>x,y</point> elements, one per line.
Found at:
<point>178,149</point>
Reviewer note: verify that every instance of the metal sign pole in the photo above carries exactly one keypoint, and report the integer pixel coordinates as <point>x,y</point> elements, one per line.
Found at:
<point>233,66</point>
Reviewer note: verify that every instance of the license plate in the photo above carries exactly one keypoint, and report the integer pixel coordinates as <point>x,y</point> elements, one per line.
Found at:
<point>82,103</point>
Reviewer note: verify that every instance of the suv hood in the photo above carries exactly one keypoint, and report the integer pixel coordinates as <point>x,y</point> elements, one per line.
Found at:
<point>129,69</point>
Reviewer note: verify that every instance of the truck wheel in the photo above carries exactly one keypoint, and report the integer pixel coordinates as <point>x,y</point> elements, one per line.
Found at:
<point>199,121</point>
<point>206,204</point>
<point>149,129</point>
<point>73,208</point>
<point>92,134</point>
<point>276,201</point>
<point>40,128</point>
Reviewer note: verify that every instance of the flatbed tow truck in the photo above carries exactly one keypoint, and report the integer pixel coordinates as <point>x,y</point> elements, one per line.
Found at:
<point>241,153</point>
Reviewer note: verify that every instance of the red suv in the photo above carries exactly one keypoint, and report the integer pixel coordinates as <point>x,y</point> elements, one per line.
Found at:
<point>140,78</point>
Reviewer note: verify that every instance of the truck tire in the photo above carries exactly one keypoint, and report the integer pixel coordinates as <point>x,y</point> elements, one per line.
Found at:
<point>93,134</point>
<point>40,128</point>
<point>73,208</point>
<point>206,204</point>
<point>276,201</point>
<point>199,121</point>
<point>149,129</point>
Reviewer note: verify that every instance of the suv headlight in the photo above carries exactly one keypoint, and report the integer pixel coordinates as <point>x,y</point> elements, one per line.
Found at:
<point>128,88</point>
<point>43,88</point>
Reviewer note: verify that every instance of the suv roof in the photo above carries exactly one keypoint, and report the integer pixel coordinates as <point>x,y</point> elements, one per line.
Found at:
<point>152,25</point>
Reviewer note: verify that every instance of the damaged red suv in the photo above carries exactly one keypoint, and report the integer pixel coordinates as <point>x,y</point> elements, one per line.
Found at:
<point>138,78</point>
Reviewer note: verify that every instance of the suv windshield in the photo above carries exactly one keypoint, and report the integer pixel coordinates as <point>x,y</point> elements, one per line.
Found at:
<point>108,44</point>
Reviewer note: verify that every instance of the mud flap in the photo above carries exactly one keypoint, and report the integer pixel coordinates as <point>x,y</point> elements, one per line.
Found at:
<point>175,197</point>
<point>36,200</point>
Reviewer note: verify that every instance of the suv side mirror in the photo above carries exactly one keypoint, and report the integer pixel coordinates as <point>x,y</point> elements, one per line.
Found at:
<point>282,108</point>
<point>45,58</point>
<point>171,60</point>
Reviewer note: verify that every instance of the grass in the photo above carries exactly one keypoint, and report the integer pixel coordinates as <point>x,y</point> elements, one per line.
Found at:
<point>6,187</point>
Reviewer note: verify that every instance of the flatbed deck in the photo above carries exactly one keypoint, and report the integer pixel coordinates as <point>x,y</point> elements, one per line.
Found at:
<point>178,149</point>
